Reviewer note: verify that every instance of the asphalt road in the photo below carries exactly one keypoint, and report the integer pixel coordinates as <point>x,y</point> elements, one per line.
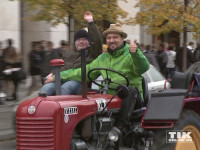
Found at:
<point>7,117</point>
<point>11,145</point>
<point>8,145</point>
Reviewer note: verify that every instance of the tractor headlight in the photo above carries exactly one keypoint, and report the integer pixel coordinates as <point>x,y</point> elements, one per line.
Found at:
<point>114,134</point>
<point>31,110</point>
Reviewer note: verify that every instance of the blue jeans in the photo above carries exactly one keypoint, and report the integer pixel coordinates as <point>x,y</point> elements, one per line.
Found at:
<point>67,88</point>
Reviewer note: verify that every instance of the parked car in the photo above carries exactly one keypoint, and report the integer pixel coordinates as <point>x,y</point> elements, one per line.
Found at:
<point>194,68</point>
<point>156,81</point>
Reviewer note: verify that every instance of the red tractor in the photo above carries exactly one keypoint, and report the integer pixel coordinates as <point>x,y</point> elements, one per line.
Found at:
<point>169,120</point>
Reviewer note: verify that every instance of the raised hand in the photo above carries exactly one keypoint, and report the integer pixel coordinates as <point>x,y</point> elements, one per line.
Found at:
<point>88,16</point>
<point>133,47</point>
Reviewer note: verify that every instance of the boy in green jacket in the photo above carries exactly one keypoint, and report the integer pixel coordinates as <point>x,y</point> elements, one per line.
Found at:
<point>124,58</point>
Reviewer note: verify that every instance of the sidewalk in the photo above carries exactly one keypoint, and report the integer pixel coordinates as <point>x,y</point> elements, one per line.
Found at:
<point>8,112</point>
<point>6,128</point>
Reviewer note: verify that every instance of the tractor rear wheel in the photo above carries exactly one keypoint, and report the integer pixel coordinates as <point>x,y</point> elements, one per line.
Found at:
<point>189,121</point>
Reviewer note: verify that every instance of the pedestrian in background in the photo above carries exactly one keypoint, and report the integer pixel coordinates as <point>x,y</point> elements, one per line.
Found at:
<point>44,45</point>
<point>153,48</point>
<point>128,41</point>
<point>1,69</point>
<point>11,60</point>
<point>150,56</point>
<point>179,59</point>
<point>196,53</point>
<point>162,59</point>
<point>36,58</point>
<point>1,61</point>
<point>166,46</point>
<point>49,54</point>
<point>191,46</point>
<point>171,67</point>
<point>1,49</point>
<point>141,46</point>
<point>64,46</point>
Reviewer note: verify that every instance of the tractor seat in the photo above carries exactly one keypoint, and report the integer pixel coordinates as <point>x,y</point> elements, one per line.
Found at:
<point>181,80</point>
<point>180,85</point>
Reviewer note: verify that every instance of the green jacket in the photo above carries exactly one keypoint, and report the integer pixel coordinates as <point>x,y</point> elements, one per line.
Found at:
<point>131,65</point>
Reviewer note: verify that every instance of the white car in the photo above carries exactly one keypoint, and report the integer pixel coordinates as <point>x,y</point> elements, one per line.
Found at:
<point>156,81</point>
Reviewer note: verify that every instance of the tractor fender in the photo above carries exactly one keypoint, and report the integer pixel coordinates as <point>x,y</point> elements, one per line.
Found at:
<point>165,105</point>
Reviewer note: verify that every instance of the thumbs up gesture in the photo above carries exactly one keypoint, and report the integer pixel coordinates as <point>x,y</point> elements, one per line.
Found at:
<point>133,47</point>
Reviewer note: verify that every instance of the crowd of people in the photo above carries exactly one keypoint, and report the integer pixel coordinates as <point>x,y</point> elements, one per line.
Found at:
<point>43,51</point>
<point>11,62</point>
<point>41,54</point>
<point>168,59</point>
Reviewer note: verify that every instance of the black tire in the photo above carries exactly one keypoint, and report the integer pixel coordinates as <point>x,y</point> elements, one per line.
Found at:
<point>188,118</point>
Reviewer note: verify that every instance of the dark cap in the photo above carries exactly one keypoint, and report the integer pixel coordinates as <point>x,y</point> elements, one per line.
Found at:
<point>81,34</point>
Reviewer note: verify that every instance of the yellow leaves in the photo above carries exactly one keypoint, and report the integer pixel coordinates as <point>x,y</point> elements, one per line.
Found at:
<point>57,10</point>
<point>162,16</point>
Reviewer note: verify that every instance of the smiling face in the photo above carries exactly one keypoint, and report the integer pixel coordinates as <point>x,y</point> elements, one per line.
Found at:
<point>81,43</point>
<point>114,40</point>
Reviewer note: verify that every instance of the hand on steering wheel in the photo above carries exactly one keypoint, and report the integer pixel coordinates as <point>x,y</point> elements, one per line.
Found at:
<point>107,80</point>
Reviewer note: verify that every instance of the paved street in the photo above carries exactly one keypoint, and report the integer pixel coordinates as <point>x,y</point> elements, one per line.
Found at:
<point>8,145</point>
<point>7,117</point>
<point>6,123</point>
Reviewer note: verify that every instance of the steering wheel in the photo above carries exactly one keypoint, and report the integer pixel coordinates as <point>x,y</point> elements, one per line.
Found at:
<point>107,80</point>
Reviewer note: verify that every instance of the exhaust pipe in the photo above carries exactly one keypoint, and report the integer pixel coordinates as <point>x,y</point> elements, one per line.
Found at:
<point>83,74</point>
<point>57,64</point>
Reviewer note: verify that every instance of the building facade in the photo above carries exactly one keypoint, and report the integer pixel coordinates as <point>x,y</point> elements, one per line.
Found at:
<point>13,24</point>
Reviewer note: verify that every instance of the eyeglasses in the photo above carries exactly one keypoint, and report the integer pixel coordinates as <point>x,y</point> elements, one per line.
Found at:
<point>81,39</point>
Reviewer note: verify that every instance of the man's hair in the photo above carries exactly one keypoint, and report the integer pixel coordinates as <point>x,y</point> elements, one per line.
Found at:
<point>198,45</point>
<point>161,45</point>
<point>128,41</point>
<point>50,43</point>
<point>9,42</point>
<point>148,47</point>
<point>63,43</point>
<point>153,46</point>
<point>171,47</point>
<point>191,43</point>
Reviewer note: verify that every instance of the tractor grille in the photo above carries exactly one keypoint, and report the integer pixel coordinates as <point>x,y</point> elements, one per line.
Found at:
<point>35,134</point>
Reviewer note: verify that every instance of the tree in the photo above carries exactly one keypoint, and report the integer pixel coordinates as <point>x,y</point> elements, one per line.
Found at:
<point>163,16</point>
<point>58,11</point>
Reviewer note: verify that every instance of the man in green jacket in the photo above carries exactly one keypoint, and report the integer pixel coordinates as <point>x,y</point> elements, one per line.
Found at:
<point>124,58</point>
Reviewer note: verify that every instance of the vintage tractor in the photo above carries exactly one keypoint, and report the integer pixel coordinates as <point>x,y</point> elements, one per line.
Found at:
<point>169,119</point>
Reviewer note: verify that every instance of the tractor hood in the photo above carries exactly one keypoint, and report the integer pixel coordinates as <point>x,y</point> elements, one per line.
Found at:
<point>94,103</point>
